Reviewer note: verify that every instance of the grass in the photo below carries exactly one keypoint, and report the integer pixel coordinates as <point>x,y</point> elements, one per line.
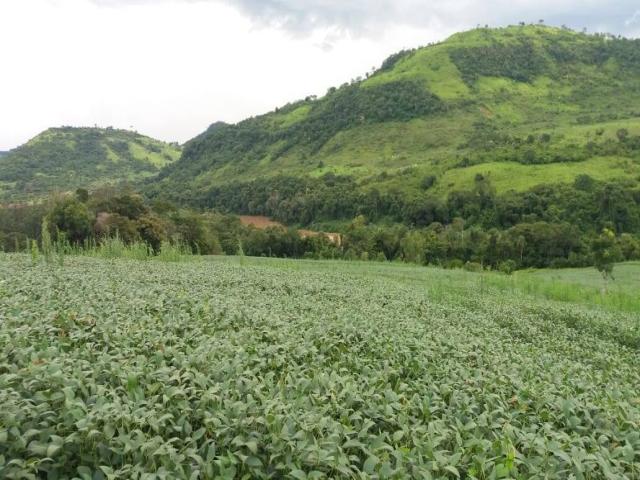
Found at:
<point>579,287</point>
<point>433,67</point>
<point>506,176</point>
<point>266,368</point>
<point>63,159</point>
<point>570,102</point>
<point>143,152</point>
<point>108,248</point>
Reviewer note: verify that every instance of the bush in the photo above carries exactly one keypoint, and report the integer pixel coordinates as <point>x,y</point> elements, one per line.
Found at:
<point>507,267</point>
<point>456,263</point>
<point>428,182</point>
<point>473,267</point>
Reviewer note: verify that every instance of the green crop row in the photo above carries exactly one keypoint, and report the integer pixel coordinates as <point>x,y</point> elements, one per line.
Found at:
<point>114,368</point>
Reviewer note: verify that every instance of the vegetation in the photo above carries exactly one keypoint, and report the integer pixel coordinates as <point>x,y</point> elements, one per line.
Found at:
<point>474,229</point>
<point>519,133</point>
<point>516,141</point>
<point>216,369</point>
<point>116,223</point>
<point>131,348</point>
<point>605,253</point>
<point>499,102</point>
<point>63,159</point>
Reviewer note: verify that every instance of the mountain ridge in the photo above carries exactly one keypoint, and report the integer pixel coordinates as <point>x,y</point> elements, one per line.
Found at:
<point>452,99</point>
<point>65,158</point>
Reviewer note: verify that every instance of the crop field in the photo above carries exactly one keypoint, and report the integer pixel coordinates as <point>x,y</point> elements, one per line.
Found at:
<point>258,368</point>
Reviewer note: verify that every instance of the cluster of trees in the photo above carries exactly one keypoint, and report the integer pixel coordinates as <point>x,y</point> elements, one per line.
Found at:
<point>490,144</point>
<point>523,60</point>
<point>351,105</point>
<point>83,218</point>
<point>545,226</point>
<point>587,204</point>
<point>355,104</point>
<point>66,156</point>
<point>520,61</point>
<point>539,244</point>
<point>597,51</point>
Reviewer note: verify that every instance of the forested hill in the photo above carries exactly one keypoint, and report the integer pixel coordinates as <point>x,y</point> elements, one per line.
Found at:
<point>511,108</point>
<point>62,159</point>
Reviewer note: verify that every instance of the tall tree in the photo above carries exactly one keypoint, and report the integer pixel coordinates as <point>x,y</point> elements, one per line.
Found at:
<point>605,253</point>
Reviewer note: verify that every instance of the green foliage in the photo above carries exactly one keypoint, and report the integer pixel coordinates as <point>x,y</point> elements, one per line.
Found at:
<point>540,107</point>
<point>428,182</point>
<point>72,217</point>
<point>392,60</point>
<point>35,253</point>
<point>519,61</point>
<point>173,252</point>
<point>278,369</point>
<point>350,106</point>
<point>605,253</point>
<point>47,244</point>
<point>67,158</point>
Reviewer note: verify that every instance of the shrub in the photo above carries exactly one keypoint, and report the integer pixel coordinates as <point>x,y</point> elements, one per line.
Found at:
<point>507,267</point>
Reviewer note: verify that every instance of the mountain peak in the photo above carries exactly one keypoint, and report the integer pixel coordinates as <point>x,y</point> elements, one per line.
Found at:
<point>519,105</point>
<point>62,158</point>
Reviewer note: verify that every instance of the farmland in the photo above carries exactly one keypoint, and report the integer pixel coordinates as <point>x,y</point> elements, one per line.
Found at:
<point>262,368</point>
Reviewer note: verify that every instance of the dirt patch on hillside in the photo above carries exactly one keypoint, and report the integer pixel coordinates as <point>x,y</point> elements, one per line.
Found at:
<point>259,222</point>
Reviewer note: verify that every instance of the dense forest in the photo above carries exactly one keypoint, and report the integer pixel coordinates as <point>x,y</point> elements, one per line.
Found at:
<point>473,229</point>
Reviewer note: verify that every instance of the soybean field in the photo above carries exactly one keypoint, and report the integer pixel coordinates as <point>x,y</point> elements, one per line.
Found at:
<point>225,368</point>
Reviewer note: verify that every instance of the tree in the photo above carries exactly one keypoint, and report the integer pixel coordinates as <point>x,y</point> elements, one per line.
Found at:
<point>152,230</point>
<point>629,247</point>
<point>622,134</point>
<point>584,182</point>
<point>73,218</point>
<point>428,182</point>
<point>521,243</point>
<point>82,194</point>
<point>605,253</point>
<point>413,247</point>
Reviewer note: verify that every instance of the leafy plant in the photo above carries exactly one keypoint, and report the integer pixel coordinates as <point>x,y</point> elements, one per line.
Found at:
<point>111,368</point>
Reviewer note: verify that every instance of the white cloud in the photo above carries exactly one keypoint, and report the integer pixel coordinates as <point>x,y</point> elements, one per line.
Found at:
<point>171,67</point>
<point>634,19</point>
<point>368,17</point>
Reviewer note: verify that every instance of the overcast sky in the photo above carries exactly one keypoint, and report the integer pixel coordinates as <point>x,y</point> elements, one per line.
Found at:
<point>169,68</point>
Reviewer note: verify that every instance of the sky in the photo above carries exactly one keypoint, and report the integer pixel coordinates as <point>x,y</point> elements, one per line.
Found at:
<point>170,68</point>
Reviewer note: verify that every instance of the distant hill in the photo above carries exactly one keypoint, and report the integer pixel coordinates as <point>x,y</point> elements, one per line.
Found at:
<point>518,107</point>
<point>67,158</point>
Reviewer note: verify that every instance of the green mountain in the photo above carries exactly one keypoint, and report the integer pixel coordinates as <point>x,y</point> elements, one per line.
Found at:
<point>515,108</point>
<point>68,158</point>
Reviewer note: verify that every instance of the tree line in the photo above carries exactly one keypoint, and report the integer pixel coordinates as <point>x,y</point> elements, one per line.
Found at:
<point>475,229</point>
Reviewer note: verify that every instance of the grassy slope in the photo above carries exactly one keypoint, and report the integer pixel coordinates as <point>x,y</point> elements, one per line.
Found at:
<point>577,287</point>
<point>262,367</point>
<point>602,96</point>
<point>68,158</point>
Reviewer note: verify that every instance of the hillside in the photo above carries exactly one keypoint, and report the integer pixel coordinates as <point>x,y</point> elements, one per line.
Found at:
<point>67,158</point>
<point>515,107</point>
